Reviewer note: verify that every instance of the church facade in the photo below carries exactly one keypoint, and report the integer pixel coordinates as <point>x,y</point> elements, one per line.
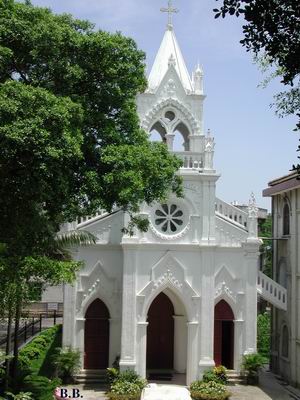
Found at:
<point>181,297</point>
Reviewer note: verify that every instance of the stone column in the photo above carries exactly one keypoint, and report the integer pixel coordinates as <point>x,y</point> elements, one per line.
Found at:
<point>170,139</point>
<point>192,352</point>
<point>142,348</point>
<point>79,344</point>
<point>180,343</point>
<point>128,337</point>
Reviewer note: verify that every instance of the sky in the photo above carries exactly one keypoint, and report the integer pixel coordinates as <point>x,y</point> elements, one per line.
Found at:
<point>253,145</point>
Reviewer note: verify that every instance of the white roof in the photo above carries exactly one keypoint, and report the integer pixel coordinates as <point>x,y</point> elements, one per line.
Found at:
<point>169,50</point>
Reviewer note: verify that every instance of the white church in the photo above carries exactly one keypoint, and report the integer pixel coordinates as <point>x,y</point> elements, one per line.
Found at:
<point>181,297</point>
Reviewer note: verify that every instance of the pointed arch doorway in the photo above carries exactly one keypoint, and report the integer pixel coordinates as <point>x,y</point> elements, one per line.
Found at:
<point>96,336</point>
<point>224,335</point>
<point>160,334</point>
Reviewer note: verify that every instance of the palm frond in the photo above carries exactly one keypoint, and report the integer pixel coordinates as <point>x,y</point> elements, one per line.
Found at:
<point>75,238</point>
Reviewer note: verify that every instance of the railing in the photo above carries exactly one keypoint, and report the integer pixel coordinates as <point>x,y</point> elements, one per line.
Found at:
<point>272,291</point>
<point>231,212</point>
<point>30,326</point>
<point>87,218</point>
<point>190,159</point>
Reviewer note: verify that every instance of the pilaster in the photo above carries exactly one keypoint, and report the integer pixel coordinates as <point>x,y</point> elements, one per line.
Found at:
<point>192,368</point>
<point>128,341</point>
<point>142,348</point>
<point>207,313</point>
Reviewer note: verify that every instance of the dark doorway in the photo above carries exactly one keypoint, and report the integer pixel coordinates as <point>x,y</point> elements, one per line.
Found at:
<point>160,334</point>
<point>224,335</point>
<point>96,336</point>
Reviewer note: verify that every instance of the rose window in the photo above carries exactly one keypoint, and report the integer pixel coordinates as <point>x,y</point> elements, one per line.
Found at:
<point>168,218</point>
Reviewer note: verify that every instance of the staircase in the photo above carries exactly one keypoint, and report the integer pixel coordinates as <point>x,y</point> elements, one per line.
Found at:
<point>234,378</point>
<point>92,376</point>
<point>271,291</point>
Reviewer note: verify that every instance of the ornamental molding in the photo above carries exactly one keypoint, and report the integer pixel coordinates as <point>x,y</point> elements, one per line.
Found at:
<point>170,237</point>
<point>167,277</point>
<point>188,117</point>
<point>223,289</point>
<point>168,273</point>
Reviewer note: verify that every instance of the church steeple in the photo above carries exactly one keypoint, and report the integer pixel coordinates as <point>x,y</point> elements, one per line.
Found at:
<point>168,54</point>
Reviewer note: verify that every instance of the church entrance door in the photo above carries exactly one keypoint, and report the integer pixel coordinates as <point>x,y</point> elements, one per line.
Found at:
<point>160,334</point>
<point>224,335</point>
<point>96,336</point>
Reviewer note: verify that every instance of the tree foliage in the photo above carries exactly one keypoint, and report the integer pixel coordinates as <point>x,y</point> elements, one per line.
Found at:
<point>272,27</point>
<point>272,30</point>
<point>264,334</point>
<point>70,139</point>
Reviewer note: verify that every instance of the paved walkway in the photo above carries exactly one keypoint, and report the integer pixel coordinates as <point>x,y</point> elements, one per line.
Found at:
<point>270,388</point>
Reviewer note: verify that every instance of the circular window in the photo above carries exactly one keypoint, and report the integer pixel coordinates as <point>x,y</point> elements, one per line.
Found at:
<point>170,116</point>
<point>168,218</point>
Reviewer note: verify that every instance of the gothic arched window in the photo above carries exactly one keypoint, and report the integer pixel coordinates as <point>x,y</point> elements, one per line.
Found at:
<point>285,342</point>
<point>286,219</point>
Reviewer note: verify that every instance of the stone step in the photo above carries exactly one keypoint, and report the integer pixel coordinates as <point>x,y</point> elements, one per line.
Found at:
<point>234,377</point>
<point>91,376</point>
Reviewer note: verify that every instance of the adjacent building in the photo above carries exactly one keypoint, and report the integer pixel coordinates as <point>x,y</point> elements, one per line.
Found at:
<point>285,351</point>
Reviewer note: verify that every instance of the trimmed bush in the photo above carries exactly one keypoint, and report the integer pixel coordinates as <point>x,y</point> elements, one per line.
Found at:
<point>208,391</point>
<point>41,387</point>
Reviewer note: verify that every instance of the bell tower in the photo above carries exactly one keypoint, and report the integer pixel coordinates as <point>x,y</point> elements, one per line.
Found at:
<point>173,104</point>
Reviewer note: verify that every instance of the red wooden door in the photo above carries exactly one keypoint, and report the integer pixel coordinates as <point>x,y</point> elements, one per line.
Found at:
<point>223,335</point>
<point>96,336</point>
<point>160,334</point>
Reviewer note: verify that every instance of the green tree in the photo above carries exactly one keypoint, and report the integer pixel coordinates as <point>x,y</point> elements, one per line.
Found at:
<point>71,142</point>
<point>272,30</point>
<point>264,334</point>
<point>265,231</point>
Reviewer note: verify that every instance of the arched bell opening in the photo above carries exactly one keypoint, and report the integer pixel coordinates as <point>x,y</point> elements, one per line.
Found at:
<point>158,133</point>
<point>181,140</point>
<point>224,335</point>
<point>96,336</point>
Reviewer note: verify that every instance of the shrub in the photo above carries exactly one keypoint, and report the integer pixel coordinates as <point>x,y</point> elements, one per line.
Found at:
<point>252,363</point>
<point>132,377</point>
<point>208,391</point>
<point>217,374</point>
<point>112,375</point>
<point>19,396</point>
<point>67,363</point>
<point>124,390</point>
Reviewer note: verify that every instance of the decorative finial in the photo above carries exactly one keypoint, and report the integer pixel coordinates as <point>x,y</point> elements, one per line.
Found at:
<point>170,10</point>
<point>172,61</point>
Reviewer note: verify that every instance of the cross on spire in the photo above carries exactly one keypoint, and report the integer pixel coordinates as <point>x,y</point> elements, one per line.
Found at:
<point>170,10</point>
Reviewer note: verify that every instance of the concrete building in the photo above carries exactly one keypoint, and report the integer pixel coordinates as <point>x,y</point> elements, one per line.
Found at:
<point>285,351</point>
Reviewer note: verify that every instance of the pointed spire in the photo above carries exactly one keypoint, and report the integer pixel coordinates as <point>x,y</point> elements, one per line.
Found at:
<point>168,54</point>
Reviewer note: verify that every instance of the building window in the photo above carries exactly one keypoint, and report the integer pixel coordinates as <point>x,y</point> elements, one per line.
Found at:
<point>285,342</point>
<point>169,218</point>
<point>286,219</point>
